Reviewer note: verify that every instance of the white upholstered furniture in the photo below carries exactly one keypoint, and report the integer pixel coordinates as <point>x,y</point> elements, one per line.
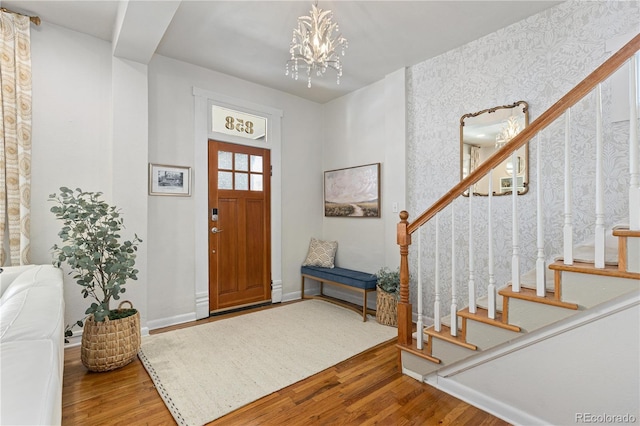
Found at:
<point>31,345</point>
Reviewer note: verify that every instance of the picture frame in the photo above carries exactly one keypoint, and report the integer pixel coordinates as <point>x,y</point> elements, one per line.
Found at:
<point>506,183</point>
<point>352,191</point>
<point>169,180</point>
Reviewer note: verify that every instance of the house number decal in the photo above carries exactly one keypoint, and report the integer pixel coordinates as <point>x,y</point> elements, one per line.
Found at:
<point>239,125</point>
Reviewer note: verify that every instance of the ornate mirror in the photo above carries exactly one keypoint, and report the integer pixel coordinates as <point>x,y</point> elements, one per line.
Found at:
<point>482,133</point>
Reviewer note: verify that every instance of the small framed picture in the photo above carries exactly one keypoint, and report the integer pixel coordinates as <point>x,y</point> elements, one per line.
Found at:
<point>169,180</point>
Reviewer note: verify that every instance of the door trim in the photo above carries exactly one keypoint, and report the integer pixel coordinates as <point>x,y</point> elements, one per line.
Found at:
<point>203,99</point>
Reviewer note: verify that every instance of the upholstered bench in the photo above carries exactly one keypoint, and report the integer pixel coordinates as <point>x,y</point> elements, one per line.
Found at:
<point>361,282</point>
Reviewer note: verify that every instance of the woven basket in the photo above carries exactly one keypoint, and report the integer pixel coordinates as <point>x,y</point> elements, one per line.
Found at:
<point>386,308</point>
<point>110,344</point>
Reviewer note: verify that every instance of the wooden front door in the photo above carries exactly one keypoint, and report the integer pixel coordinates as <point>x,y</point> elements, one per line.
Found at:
<point>239,226</point>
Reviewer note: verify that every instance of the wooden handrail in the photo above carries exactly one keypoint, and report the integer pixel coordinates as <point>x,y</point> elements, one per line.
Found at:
<point>545,119</point>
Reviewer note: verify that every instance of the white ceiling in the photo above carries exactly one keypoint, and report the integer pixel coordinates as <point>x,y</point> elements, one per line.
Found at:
<point>250,39</point>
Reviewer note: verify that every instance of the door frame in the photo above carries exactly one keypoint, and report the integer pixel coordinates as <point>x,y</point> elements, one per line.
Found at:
<point>203,101</point>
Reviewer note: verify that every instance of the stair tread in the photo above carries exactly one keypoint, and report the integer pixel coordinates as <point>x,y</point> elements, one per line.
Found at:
<point>528,279</point>
<point>482,315</point>
<point>585,253</point>
<point>445,334</point>
<point>422,353</point>
<point>483,302</point>
<point>589,268</point>
<point>530,295</point>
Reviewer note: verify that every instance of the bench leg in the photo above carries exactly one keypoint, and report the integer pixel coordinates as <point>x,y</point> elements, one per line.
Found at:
<point>364,306</point>
<point>302,289</point>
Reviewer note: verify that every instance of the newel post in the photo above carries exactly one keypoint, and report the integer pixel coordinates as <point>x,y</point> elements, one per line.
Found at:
<point>405,320</point>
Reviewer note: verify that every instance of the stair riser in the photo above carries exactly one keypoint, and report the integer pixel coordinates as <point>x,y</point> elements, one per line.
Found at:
<point>486,336</point>
<point>449,353</point>
<point>591,290</point>
<point>633,255</point>
<point>530,315</point>
<point>418,366</point>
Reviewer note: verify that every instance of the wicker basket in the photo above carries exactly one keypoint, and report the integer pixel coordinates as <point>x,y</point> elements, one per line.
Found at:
<point>110,344</point>
<point>386,308</point>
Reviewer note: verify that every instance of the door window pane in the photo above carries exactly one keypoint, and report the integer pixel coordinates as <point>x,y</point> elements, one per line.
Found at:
<point>256,182</point>
<point>256,163</point>
<point>224,160</point>
<point>242,162</point>
<point>242,181</point>
<point>225,180</point>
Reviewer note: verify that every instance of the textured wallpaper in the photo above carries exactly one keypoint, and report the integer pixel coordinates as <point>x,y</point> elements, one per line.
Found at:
<point>537,60</point>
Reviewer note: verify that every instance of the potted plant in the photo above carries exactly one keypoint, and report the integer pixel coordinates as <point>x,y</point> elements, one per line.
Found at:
<point>101,265</point>
<point>388,294</point>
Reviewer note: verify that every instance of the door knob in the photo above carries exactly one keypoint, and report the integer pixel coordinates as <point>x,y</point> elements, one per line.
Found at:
<point>215,230</point>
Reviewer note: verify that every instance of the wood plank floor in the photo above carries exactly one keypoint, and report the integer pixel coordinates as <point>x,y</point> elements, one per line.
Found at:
<point>364,390</point>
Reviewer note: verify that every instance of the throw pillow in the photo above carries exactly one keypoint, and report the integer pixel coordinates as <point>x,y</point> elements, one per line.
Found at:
<point>321,253</point>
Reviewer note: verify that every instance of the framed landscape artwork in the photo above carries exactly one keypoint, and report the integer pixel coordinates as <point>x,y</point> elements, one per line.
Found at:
<point>352,192</point>
<point>169,180</point>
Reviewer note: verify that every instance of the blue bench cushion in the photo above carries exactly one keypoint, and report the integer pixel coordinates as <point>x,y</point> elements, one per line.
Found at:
<point>343,276</point>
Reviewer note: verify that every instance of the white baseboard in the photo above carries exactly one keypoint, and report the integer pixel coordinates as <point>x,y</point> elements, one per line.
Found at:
<point>202,305</point>
<point>276,291</point>
<point>169,321</point>
<point>491,405</point>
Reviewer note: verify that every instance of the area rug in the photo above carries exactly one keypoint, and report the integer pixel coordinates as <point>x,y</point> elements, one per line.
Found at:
<point>206,371</point>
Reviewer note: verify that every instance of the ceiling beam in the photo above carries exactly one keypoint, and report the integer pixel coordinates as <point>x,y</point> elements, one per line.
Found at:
<point>139,27</point>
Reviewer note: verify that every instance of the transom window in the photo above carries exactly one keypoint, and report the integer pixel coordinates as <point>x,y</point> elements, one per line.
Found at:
<point>238,123</point>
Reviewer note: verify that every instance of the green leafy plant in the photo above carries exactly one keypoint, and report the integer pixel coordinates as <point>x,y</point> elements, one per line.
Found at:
<point>91,247</point>
<point>389,281</point>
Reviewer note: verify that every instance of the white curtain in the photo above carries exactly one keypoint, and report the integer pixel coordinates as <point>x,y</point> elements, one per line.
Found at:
<point>15,137</point>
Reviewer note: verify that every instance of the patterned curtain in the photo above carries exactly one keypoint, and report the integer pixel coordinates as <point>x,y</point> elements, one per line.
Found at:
<point>15,137</point>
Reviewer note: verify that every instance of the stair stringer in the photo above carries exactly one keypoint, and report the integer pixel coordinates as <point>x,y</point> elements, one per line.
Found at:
<point>586,363</point>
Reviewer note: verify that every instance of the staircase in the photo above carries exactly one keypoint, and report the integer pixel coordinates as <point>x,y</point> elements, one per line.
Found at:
<point>559,343</point>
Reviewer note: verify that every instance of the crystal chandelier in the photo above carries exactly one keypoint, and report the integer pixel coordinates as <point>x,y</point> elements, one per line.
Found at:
<point>508,132</point>
<point>314,46</point>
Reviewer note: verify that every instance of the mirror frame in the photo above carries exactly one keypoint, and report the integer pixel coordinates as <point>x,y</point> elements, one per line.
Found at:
<point>525,111</point>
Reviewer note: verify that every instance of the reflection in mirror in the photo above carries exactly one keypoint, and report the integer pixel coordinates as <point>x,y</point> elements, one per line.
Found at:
<point>483,133</point>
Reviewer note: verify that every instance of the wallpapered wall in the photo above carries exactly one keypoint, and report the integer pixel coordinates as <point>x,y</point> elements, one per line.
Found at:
<point>536,60</point>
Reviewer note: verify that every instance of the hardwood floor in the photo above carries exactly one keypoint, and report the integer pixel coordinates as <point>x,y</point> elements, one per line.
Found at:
<point>364,390</point>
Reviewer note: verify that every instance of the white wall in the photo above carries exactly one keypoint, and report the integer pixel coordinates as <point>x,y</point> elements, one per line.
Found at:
<point>171,219</point>
<point>365,127</point>
<point>72,146</point>
<point>586,370</point>
<point>71,133</point>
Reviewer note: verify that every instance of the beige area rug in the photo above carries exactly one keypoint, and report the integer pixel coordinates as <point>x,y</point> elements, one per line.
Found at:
<point>206,371</point>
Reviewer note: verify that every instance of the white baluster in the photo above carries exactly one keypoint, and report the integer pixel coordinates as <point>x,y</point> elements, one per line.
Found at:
<point>419,323</point>
<point>437,324</point>
<point>540,262</point>
<point>472,282</point>
<point>515,237</point>
<point>454,296</point>
<point>568,192</point>
<point>634,146</point>
<point>491,289</point>
<point>599,230</point>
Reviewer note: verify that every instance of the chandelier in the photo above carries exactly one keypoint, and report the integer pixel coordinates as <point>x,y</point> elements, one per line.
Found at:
<point>314,47</point>
<point>508,132</point>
